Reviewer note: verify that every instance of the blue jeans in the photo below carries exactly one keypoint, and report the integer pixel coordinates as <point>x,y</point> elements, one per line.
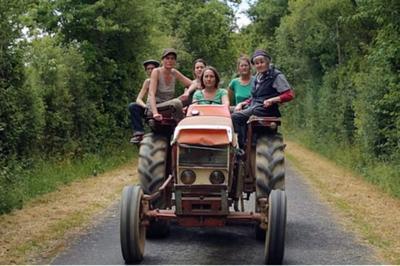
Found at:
<point>137,113</point>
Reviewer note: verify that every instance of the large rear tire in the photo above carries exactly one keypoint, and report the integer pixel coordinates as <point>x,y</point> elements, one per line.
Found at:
<point>270,168</point>
<point>275,238</point>
<point>152,173</point>
<point>132,232</point>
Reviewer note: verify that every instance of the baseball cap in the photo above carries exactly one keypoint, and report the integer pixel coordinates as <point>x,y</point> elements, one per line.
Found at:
<point>168,51</point>
<point>151,61</point>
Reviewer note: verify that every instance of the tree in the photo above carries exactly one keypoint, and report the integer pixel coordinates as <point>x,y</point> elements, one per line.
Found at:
<point>202,29</point>
<point>111,36</point>
<point>266,18</point>
<point>19,112</point>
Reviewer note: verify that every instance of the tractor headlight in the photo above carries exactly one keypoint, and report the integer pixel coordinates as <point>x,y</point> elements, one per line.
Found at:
<point>217,177</point>
<point>188,177</point>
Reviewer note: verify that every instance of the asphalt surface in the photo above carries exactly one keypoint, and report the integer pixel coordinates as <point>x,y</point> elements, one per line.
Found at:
<point>313,236</point>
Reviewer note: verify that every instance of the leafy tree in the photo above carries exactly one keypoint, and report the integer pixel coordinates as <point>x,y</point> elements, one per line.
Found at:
<point>342,58</point>
<point>19,110</point>
<point>202,29</point>
<point>111,35</point>
<point>58,75</point>
<point>206,33</point>
<point>378,109</point>
<point>266,18</point>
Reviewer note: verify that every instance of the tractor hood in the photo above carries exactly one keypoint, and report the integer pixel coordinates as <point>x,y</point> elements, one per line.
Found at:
<point>204,130</point>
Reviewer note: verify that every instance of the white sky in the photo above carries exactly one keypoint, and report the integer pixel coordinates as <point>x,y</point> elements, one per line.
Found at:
<point>242,19</point>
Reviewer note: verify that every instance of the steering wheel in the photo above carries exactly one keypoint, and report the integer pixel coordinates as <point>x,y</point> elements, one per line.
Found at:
<point>208,101</point>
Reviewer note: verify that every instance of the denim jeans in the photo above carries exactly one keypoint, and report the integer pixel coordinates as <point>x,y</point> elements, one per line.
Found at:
<point>137,113</point>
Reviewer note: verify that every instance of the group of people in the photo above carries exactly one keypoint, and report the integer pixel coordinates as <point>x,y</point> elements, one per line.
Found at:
<point>250,95</point>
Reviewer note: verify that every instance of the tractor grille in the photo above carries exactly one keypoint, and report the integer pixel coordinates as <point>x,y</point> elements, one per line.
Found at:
<point>197,155</point>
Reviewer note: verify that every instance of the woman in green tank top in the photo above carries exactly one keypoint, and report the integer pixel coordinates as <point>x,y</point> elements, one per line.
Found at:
<point>239,88</point>
<point>210,94</point>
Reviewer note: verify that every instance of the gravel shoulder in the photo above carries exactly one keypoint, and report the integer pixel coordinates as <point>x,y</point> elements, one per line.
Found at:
<point>45,226</point>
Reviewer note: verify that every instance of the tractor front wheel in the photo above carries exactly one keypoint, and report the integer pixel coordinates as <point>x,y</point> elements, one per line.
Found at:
<point>275,238</point>
<point>132,231</point>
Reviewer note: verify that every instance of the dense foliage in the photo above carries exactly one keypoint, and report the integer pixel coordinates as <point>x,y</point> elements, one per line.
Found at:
<point>65,87</point>
<point>343,58</point>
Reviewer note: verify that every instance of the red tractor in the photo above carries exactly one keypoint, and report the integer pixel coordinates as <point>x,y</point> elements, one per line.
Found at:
<point>194,173</point>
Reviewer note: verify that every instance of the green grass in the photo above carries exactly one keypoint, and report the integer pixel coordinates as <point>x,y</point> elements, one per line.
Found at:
<point>386,175</point>
<point>18,187</point>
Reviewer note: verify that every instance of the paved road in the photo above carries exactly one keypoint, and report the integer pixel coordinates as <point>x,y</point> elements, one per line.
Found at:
<point>312,237</point>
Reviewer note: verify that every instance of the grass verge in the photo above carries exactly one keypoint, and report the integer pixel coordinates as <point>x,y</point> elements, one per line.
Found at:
<point>364,207</point>
<point>46,176</point>
<point>384,174</point>
<point>46,224</point>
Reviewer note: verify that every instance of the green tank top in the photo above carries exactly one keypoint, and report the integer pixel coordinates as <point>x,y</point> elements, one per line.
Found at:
<point>198,95</point>
<point>240,92</point>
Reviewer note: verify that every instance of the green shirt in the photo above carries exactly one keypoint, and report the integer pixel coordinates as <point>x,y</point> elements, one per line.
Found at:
<point>240,92</point>
<point>198,96</point>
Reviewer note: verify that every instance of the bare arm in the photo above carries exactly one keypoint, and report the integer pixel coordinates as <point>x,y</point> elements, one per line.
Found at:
<point>230,94</point>
<point>142,93</point>
<point>152,93</point>
<point>225,100</point>
<point>183,79</point>
<point>191,88</point>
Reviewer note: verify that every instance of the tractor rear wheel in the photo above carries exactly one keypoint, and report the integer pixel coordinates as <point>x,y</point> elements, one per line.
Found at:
<point>275,238</point>
<point>132,232</point>
<point>270,169</point>
<point>152,173</point>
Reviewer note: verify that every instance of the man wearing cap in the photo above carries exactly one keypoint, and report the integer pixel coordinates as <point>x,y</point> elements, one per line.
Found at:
<point>269,89</point>
<point>162,87</point>
<point>137,108</point>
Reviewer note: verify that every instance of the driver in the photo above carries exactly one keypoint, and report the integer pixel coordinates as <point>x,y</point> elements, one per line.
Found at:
<point>210,93</point>
<point>269,89</point>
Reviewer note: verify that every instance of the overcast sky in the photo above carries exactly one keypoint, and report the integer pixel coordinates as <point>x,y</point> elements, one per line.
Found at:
<point>242,19</point>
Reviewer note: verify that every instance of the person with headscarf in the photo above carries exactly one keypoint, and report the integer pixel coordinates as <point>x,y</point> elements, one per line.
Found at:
<point>270,89</point>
